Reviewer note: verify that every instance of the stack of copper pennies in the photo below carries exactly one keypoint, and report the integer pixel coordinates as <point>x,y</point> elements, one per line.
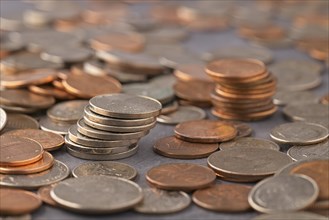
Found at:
<point>244,89</point>
<point>111,126</point>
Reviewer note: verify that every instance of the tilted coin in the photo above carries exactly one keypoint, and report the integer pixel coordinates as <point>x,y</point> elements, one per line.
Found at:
<point>50,90</point>
<point>197,91</point>
<point>188,72</point>
<point>169,108</point>
<point>167,34</point>
<point>69,111</point>
<point>302,112</point>
<point>300,133</point>
<point>3,119</point>
<point>182,114</point>
<point>249,142</point>
<point>325,99</point>
<point>47,124</point>
<point>112,194</point>
<point>20,121</point>
<point>244,130</point>
<point>157,201</point>
<point>312,151</point>
<point>180,176</point>
<point>44,194</point>
<point>301,215</point>
<point>105,168</point>
<point>56,173</point>
<point>294,97</point>
<point>175,148</point>
<point>300,66</point>
<point>284,193</point>
<point>223,198</point>
<point>66,55</point>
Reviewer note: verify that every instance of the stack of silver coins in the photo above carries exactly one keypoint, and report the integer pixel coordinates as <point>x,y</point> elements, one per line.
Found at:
<point>111,126</point>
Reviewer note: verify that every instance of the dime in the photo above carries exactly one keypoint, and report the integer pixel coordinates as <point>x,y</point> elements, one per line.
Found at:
<point>223,198</point>
<point>20,121</point>
<point>69,111</point>
<point>312,151</point>
<point>112,194</point>
<point>188,72</point>
<point>301,215</point>
<point>183,113</point>
<point>205,131</point>
<point>158,201</point>
<point>294,98</point>
<point>175,148</point>
<point>18,202</point>
<point>3,119</point>
<point>304,111</point>
<point>180,176</point>
<point>197,91</point>
<point>66,55</point>
<point>284,193</point>
<point>249,142</point>
<point>56,173</point>
<point>300,133</point>
<point>47,124</point>
<point>44,194</point>
<point>105,168</point>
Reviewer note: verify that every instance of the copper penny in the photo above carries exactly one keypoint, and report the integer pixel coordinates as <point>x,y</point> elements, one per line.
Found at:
<point>244,117</point>
<point>51,91</point>
<point>194,90</point>
<point>187,72</point>
<point>175,148</point>
<point>318,171</point>
<point>16,151</point>
<point>325,99</point>
<point>180,176</point>
<point>45,163</point>
<point>18,202</point>
<point>223,198</point>
<point>48,140</point>
<point>20,121</point>
<point>44,194</point>
<point>88,86</point>
<point>205,131</point>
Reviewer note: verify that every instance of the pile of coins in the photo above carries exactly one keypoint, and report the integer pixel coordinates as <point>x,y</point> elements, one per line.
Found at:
<point>111,126</point>
<point>244,89</point>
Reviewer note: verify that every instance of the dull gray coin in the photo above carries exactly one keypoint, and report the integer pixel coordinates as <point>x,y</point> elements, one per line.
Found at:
<point>158,201</point>
<point>313,151</point>
<point>302,215</point>
<point>3,119</point>
<point>66,55</point>
<point>287,66</point>
<point>294,98</point>
<point>284,193</point>
<point>324,121</point>
<point>105,168</point>
<point>69,111</point>
<point>183,113</point>
<point>303,111</point>
<point>112,194</point>
<point>249,142</point>
<point>47,124</point>
<point>20,121</point>
<point>300,133</point>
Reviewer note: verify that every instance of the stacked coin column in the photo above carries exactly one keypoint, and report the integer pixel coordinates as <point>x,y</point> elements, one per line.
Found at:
<point>244,89</point>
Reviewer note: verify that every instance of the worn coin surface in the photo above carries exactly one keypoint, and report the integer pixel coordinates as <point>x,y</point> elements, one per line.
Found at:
<point>301,215</point>
<point>283,193</point>
<point>157,201</point>
<point>300,133</point>
<point>180,176</point>
<point>18,202</point>
<point>18,109</point>
<point>223,198</point>
<point>20,121</point>
<point>3,119</point>
<point>105,168</point>
<point>47,124</point>
<point>294,98</point>
<point>249,142</point>
<point>302,112</point>
<point>205,131</point>
<point>182,114</point>
<point>69,111</point>
<point>312,151</point>
<point>175,148</point>
<point>44,194</point>
<point>112,194</point>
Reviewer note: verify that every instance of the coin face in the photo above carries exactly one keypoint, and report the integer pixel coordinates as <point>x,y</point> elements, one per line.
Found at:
<point>69,111</point>
<point>301,133</point>
<point>312,151</point>
<point>249,142</point>
<point>182,114</point>
<point>223,198</point>
<point>304,111</point>
<point>290,215</point>
<point>3,119</point>
<point>112,194</point>
<point>180,176</point>
<point>20,121</point>
<point>44,194</point>
<point>105,168</point>
<point>294,98</point>
<point>284,193</point>
<point>205,131</point>
<point>157,201</point>
<point>47,124</point>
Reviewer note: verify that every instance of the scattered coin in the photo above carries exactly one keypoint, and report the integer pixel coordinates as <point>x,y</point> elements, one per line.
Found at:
<point>296,66</point>
<point>244,130</point>
<point>44,194</point>
<point>169,108</point>
<point>69,111</point>
<point>196,91</point>
<point>47,124</point>
<point>194,72</point>
<point>312,151</point>
<point>49,90</point>
<point>20,121</point>
<point>301,215</point>
<point>182,114</point>
<point>302,112</point>
<point>19,217</point>
<point>3,119</point>
<point>66,55</point>
<point>249,142</point>
<point>294,98</point>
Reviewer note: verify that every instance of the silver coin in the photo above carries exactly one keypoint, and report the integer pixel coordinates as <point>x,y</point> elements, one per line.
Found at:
<point>300,133</point>
<point>249,142</point>
<point>125,106</point>
<point>18,109</point>
<point>183,113</point>
<point>78,138</point>
<point>3,119</point>
<point>303,111</point>
<point>284,193</point>
<point>112,194</point>
<point>66,55</point>
<point>286,170</point>
<point>324,121</point>
<point>294,98</point>
<point>47,124</point>
<point>105,168</point>
<point>9,46</point>
<point>169,108</point>
<point>297,66</point>
<point>56,173</point>
<point>20,217</point>
<point>158,201</point>
<point>20,121</point>
<point>313,151</point>
<point>302,215</point>
<point>244,130</point>
<point>69,111</point>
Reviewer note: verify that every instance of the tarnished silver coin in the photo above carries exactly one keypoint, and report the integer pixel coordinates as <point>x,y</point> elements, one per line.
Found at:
<point>56,173</point>
<point>302,215</point>
<point>69,111</point>
<point>66,55</point>
<point>3,119</point>
<point>112,194</point>
<point>294,98</point>
<point>105,168</point>
<point>283,193</point>
<point>302,112</point>
<point>301,133</point>
<point>20,121</point>
<point>183,113</point>
<point>288,66</point>
<point>249,142</point>
<point>125,106</point>
<point>47,124</point>
<point>313,151</point>
<point>157,201</point>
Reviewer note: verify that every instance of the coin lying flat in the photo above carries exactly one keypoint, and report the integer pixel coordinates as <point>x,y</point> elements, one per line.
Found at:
<point>182,114</point>
<point>65,55</point>
<point>158,201</point>
<point>301,133</point>
<point>304,111</point>
<point>249,142</point>
<point>302,215</point>
<point>223,198</point>
<point>313,151</point>
<point>69,111</point>
<point>112,194</point>
<point>18,109</point>
<point>44,194</point>
<point>294,98</point>
<point>3,119</point>
<point>20,121</point>
<point>105,168</point>
<point>47,124</point>
<point>284,193</point>
<point>50,90</point>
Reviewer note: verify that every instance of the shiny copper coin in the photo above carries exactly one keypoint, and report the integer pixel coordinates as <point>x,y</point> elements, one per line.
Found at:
<point>325,99</point>
<point>180,176</point>
<point>44,163</point>
<point>48,140</point>
<point>243,117</point>
<point>194,90</point>
<point>205,131</point>
<point>44,194</point>
<point>241,95</point>
<point>49,90</point>
<point>223,198</point>
<point>175,148</point>
<point>189,72</point>
<point>318,171</point>
<point>18,202</point>
<point>20,121</point>
<point>269,31</point>
<point>88,86</point>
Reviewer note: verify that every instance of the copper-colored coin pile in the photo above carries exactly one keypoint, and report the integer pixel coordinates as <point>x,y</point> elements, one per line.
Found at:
<point>244,89</point>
